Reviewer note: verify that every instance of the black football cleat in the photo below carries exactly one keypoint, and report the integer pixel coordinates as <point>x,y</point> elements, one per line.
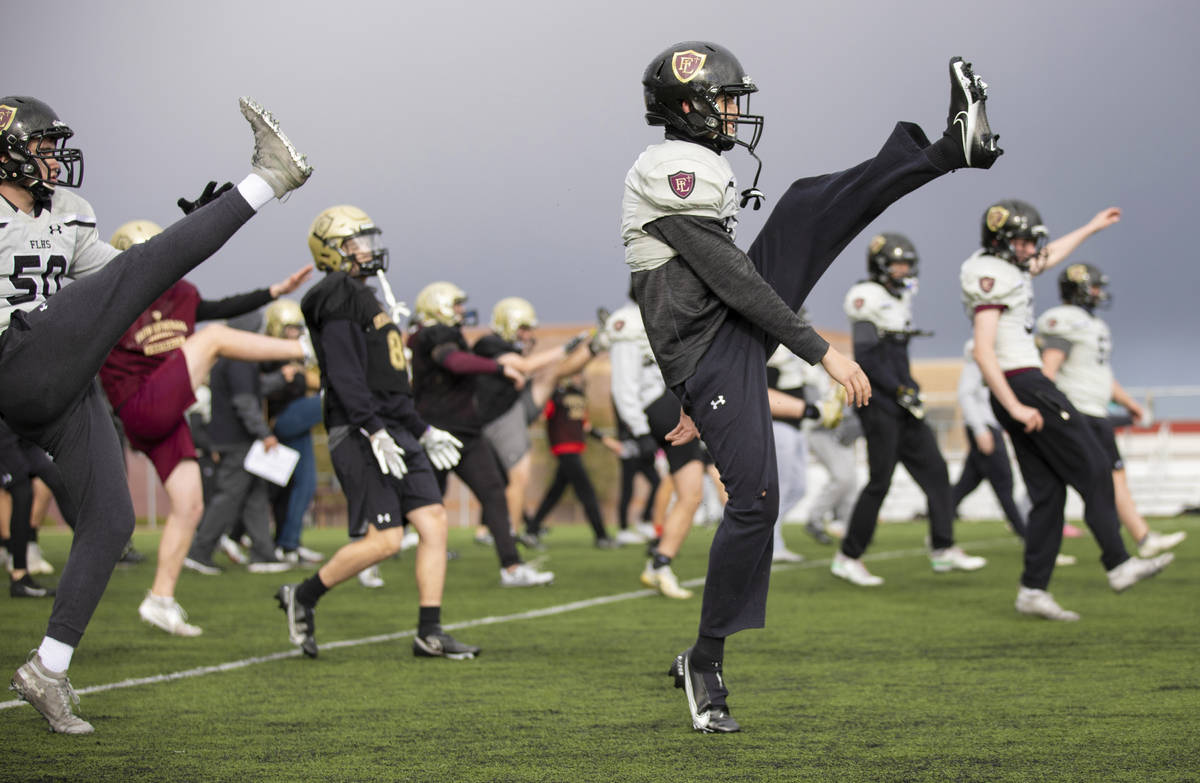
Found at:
<point>967,120</point>
<point>443,645</point>
<point>300,622</point>
<point>25,587</point>
<point>706,694</point>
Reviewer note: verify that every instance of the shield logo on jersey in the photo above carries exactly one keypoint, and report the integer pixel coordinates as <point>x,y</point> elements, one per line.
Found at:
<point>682,183</point>
<point>858,303</point>
<point>618,325</point>
<point>987,283</point>
<point>685,65</point>
<point>7,115</point>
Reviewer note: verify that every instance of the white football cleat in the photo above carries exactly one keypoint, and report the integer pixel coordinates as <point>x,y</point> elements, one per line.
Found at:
<point>167,614</point>
<point>1135,569</point>
<point>853,571</point>
<point>275,159</point>
<point>954,559</point>
<point>1039,603</point>
<point>369,577</point>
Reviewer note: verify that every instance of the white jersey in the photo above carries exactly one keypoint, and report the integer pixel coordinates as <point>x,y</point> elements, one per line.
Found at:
<point>871,302</point>
<point>673,178</point>
<point>793,371</point>
<point>1086,375</point>
<point>39,254</point>
<point>636,379</point>
<point>990,282</point>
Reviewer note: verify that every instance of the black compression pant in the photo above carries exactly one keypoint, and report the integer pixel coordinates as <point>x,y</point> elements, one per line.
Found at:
<point>48,362</point>
<point>571,473</point>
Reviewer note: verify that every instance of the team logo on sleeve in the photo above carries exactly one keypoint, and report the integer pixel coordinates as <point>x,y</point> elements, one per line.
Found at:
<point>685,65</point>
<point>682,183</point>
<point>987,284</point>
<point>618,325</point>
<point>858,303</point>
<point>7,115</point>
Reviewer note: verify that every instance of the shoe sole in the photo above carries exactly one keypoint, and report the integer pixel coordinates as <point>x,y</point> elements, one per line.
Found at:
<point>257,115</point>
<point>968,120</point>
<point>421,651</point>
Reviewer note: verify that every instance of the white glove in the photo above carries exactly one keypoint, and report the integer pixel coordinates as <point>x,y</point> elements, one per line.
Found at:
<point>441,447</point>
<point>389,455</point>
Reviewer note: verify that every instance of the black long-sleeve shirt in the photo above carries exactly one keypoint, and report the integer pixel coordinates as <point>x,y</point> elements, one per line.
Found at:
<point>686,300</point>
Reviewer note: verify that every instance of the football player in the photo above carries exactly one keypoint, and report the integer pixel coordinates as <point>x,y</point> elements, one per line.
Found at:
<point>508,411</point>
<point>151,376</point>
<point>714,314</point>
<point>1076,354</point>
<point>66,297</point>
<point>880,313</point>
<point>383,453</point>
<point>640,396</point>
<point>445,380</point>
<point>293,410</point>
<point>1055,447</point>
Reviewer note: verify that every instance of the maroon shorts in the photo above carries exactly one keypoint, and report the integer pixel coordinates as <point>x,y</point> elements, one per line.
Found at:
<point>153,416</point>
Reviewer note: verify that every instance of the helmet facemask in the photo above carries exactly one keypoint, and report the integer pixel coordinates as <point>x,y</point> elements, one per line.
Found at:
<point>29,162</point>
<point>366,250</point>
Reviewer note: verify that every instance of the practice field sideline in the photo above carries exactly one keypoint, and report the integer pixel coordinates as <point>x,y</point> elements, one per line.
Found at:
<point>927,677</point>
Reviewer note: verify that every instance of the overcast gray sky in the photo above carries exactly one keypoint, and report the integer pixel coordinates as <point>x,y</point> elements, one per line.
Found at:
<point>490,140</point>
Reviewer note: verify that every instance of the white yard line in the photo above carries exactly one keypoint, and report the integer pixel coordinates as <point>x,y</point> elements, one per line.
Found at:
<point>549,611</point>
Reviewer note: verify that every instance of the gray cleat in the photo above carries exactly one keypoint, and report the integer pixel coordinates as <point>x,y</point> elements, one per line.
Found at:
<point>275,159</point>
<point>50,694</point>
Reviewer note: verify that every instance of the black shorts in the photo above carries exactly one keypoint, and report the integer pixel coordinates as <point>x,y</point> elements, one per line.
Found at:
<point>1103,429</point>
<point>663,416</point>
<point>379,500</point>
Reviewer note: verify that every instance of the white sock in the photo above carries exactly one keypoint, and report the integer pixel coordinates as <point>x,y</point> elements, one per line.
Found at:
<point>55,655</point>
<point>256,191</point>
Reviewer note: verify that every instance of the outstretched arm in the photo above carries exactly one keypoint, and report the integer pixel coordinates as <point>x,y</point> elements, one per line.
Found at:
<point>1057,250</point>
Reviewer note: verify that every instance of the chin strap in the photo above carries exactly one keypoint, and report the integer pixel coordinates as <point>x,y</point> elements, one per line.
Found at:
<point>752,193</point>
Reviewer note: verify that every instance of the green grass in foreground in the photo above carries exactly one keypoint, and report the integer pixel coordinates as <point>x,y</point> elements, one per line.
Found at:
<point>930,677</point>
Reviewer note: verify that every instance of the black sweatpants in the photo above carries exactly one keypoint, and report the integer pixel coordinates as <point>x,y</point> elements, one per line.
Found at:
<point>570,473</point>
<point>995,468</point>
<point>1064,452</point>
<point>895,436</point>
<point>727,396</point>
<point>480,469</point>
<point>48,363</point>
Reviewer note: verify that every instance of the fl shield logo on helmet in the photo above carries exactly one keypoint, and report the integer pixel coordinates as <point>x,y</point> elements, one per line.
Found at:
<point>685,65</point>
<point>7,113</point>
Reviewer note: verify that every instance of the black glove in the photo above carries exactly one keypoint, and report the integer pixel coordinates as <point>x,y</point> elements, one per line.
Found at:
<point>211,192</point>
<point>642,446</point>
<point>910,400</point>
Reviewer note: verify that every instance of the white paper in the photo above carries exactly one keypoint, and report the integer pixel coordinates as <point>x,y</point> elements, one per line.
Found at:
<point>275,465</point>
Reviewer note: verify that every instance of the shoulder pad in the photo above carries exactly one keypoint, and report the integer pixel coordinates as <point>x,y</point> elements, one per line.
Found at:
<point>625,323</point>
<point>864,300</point>
<point>338,298</point>
<point>682,178</point>
<point>990,280</point>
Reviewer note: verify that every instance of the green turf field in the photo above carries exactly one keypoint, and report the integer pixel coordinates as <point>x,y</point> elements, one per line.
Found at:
<point>930,677</point>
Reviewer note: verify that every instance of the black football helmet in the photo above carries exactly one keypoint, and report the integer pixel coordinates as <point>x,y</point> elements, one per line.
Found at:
<point>701,73</point>
<point>885,250</point>
<point>24,120</point>
<point>1011,219</point>
<point>1083,285</point>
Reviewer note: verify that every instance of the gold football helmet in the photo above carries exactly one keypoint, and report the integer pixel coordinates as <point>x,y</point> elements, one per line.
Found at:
<point>281,314</point>
<point>133,233</point>
<point>510,314</point>
<point>344,235</point>
<point>435,304</point>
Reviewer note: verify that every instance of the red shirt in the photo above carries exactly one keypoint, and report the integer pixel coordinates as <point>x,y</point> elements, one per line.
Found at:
<point>158,332</point>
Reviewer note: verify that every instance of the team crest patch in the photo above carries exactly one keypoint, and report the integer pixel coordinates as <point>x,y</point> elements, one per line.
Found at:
<point>1053,322</point>
<point>685,65</point>
<point>7,115</point>
<point>682,183</point>
<point>996,217</point>
<point>987,283</point>
<point>858,303</point>
<point>618,325</point>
